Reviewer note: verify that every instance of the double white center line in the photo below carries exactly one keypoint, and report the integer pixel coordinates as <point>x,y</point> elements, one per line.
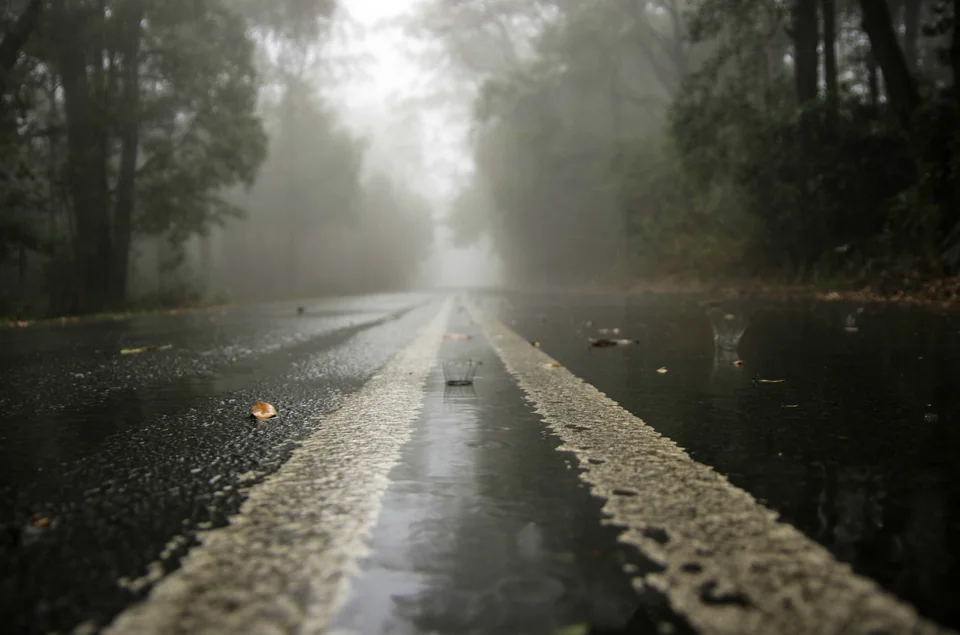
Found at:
<point>285,562</point>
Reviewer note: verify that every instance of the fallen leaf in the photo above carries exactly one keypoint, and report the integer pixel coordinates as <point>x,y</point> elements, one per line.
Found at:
<point>39,521</point>
<point>457,336</point>
<point>602,342</point>
<point>262,410</point>
<point>771,381</point>
<point>662,370</point>
<point>535,343</point>
<point>738,362</point>
<point>790,405</point>
<point>144,349</point>
<point>552,365</point>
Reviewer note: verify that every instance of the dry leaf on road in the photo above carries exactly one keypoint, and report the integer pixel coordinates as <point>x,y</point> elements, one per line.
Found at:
<point>602,342</point>
<point>144,349</point>
<point>262,410</point>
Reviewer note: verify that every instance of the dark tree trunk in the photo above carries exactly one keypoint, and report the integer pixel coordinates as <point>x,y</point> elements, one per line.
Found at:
<point>911,31</point>
<point>899,83</point>
<point>830,53</point>
<point>129,132</point>
<point>873,82</point>
<point>86,166</point>
<point>805,40</point>
<point>955,51</point>
<point>14,41</point>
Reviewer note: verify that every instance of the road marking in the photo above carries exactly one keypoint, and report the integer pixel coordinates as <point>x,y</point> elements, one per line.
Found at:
<point>285,562</point>
<point>729,567</point>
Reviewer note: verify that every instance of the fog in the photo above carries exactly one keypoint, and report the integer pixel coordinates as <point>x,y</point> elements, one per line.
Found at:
<point>244,151</point>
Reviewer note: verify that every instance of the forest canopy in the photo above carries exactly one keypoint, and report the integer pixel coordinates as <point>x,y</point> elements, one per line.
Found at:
<point>793,140</point>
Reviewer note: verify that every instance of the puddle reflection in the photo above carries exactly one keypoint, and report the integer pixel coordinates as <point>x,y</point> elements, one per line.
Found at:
<point>484,529</point>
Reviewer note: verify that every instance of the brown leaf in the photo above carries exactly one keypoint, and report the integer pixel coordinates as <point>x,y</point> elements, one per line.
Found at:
<point>771,381</point>
<point>552,365</point>
<point>790,405</point>
<point>144,349</point>
<point>738,362</point>
<point>602,342</point>
<point>39,521</point>
<point>457,336</point>
<point>262,410</point>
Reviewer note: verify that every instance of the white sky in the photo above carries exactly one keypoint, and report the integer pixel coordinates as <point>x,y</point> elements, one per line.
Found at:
<point>410,135</point>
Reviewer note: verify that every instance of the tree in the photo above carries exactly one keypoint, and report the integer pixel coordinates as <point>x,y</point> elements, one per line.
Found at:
<point>901,87</point>
<point>172,84</point>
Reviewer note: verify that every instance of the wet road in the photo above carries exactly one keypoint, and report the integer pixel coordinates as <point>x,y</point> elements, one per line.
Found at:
<point>112,466</point>
<point>857,447</point>
<point>123,458</point>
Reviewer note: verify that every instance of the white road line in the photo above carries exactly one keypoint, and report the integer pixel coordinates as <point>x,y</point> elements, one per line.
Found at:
<point>729,566</point>
<point>284,563</point>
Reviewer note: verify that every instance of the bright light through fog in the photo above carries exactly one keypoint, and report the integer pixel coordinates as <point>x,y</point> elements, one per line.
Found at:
<point>390,98</point>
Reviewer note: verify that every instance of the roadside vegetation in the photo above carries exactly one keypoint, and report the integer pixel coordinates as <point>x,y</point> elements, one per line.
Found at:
<point>762,143</point>
<point>162,153</point>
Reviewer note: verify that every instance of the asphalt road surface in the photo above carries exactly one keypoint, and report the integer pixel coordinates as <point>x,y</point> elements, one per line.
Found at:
<point>665,486</point>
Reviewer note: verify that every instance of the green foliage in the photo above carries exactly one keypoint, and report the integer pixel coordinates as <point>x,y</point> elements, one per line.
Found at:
<point>200,132</point>
<point>736,178</point>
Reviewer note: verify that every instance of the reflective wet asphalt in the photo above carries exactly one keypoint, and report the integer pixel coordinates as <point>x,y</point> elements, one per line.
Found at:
<point>110,463</point>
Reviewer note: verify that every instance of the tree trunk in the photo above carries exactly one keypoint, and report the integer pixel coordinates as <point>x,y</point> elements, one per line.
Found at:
<point>873,82</point>
<point>805,42</point>
<point>129,132</point>
<point>830,54</point>
<point>899,83</point>
<point>14,41</point>
<point>86,166</point>
<point>955,51</point>
<point>911,32</point>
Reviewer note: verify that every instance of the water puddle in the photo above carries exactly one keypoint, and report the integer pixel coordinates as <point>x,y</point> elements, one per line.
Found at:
<point>486,527</point>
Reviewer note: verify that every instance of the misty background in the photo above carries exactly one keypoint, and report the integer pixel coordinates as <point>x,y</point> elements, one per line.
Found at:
<point>167,153</point>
